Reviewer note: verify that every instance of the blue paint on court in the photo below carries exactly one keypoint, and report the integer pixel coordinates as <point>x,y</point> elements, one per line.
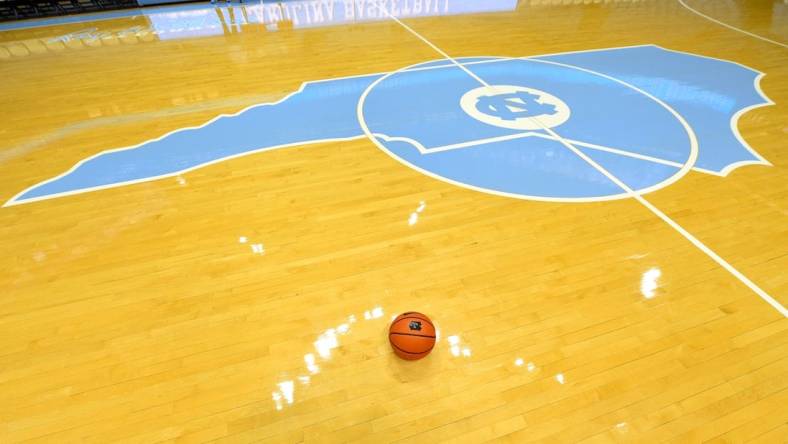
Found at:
<point>706,92</point>
<point>487,142</point>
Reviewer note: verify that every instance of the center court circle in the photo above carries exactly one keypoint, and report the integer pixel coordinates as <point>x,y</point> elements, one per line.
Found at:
<point>441,121</point>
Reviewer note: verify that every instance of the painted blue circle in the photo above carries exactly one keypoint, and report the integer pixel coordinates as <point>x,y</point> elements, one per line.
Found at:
<point>415,115</point>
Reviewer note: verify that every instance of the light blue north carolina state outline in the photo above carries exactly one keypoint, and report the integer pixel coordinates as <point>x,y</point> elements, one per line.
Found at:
<point>632,110</point>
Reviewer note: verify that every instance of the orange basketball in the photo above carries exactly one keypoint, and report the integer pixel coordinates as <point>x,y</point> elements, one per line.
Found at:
<point>412,335</point>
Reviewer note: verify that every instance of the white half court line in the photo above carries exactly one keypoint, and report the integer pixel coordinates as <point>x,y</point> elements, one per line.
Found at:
<point>438,50</point>
<point>712,19</point>
<point>695,241</point>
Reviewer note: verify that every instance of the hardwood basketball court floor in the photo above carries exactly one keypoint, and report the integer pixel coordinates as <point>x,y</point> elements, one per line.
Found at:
<point>212,213</point>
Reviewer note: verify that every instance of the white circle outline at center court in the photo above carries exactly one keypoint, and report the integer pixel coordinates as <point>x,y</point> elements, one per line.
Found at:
<point>688,164</point>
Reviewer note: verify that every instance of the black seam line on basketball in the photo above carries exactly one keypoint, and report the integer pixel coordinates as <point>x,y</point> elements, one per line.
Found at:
<point>411,334</point>
<point>412,353</point>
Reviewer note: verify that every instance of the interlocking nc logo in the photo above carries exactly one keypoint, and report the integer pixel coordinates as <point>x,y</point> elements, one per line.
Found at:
<point>415,325</point>
<point>513,105</point>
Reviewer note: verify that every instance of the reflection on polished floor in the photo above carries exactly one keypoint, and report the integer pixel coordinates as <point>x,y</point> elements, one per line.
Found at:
<point>212,213</point>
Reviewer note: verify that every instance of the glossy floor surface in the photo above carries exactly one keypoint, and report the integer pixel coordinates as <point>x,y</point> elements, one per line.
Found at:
<point>588,198</point>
